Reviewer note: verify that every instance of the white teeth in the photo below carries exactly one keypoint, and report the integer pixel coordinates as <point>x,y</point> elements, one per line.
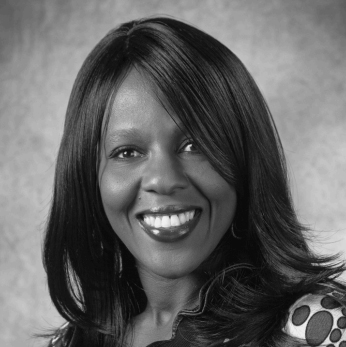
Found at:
<point>191,214</point>
<point>187,214</point>
<point>147,219</point>
<point>182,218</point>
<point>175,221</point>
<point>157,222</point>
<point>167,221</point>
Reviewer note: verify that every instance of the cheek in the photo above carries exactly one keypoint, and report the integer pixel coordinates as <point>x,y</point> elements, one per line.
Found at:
<point>118,195</point>
<point>216,189</point>
<point>225,199</point>
<point>222,198</point>
<point>226,205</point>
<point>117,199</point>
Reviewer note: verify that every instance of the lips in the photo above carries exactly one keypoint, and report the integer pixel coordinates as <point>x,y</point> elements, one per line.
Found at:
<point>169,224</point>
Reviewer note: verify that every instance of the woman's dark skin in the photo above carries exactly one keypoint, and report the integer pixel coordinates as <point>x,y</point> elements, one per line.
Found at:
<point>148,163</point>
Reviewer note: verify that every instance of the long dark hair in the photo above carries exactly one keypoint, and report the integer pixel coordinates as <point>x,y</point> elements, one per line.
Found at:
<point>92,277</point>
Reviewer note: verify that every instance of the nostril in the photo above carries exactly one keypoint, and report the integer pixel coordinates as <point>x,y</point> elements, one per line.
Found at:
<point>164,178</point>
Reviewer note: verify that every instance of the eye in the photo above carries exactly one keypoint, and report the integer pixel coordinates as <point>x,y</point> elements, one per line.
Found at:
<point>125,153</point>
<point>189,146</point>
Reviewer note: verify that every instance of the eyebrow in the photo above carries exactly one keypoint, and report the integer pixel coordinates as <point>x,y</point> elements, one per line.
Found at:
<point>119,134</point>
<point>134,133</point>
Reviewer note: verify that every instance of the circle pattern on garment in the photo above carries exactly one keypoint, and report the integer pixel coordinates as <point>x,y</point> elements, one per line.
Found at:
<point>300,315</point>
<point>335,335</point>
<point>319,320</point>
<point>318,328</point>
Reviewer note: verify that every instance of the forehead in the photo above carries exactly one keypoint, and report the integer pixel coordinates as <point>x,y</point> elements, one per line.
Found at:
<point>136,106</point>
<point>134,91</point>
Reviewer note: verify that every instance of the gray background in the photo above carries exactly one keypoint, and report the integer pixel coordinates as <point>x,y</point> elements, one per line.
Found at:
<point>295,49</point>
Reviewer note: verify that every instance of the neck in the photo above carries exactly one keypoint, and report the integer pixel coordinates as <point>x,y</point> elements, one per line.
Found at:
<point>166,296</point>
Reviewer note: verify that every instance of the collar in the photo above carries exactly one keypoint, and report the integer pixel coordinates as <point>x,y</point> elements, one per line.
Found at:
<point>196,311</point>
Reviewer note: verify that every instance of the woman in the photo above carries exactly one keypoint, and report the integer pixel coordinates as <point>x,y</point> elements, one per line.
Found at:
<point>172,222</point>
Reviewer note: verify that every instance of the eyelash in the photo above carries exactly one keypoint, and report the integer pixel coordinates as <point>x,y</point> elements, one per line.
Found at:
<point>117,151</point>
<point>189,142</point>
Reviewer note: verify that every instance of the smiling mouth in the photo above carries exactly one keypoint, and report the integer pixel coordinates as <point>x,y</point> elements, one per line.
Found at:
<point>168,220</point>
<point>169,227</point>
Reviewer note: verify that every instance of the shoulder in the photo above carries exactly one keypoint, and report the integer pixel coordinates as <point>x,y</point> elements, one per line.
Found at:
<point>62,336</point>
<point>318,319</point>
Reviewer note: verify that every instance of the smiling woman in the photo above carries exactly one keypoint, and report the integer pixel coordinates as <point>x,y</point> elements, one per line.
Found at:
<point>153,179</point>
<point>171,222</point>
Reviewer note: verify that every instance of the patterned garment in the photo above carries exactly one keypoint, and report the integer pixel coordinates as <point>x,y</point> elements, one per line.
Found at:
<point>315,319</point>
<point>319,320</point>
<point>65,337</point>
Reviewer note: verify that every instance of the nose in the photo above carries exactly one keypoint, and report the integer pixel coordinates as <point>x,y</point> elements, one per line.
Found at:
<point>164,175</point>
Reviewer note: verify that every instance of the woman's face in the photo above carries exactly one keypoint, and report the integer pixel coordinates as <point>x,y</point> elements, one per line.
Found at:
<point>161,195</point>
